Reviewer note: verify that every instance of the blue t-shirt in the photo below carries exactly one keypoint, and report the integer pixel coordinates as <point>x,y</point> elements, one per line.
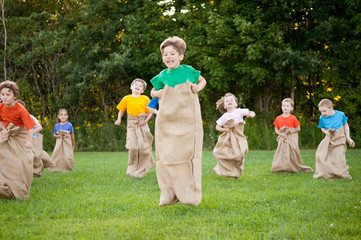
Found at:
<point>335,121</point>
<point>153,103</point>
<point>66,127</point>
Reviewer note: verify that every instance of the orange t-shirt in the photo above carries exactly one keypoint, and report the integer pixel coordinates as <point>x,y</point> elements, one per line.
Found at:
<point>17,115</point>
<point>290,121</point>
<point>134,105</point>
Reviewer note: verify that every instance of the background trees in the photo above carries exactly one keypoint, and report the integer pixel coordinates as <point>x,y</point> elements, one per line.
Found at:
<point>83,54</point>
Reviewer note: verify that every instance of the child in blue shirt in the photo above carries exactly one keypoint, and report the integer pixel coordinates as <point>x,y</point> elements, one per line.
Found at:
<point>330,154</point>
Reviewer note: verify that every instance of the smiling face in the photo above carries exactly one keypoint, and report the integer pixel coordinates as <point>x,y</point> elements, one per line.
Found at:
<point>230,103</point>
<point>171,58</point>
<point>7,97</point>
<point>63,116</point>
<point>137,87</point>
<point>326,111</point>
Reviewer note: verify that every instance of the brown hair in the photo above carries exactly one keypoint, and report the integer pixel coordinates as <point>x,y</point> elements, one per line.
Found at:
<point>325,103</point>
<point>220,102</point>
<point>12,86</point>
<point>289,100</point>
<point>141,81</point>
<point>179,44</point>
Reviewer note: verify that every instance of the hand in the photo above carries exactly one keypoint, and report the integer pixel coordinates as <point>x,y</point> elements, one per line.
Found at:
<point>28,144</point>
<point>350,142</point>
<point>195,88</point>
<point>159,93</point>
<point>6,133</point>
<point>117,122</point>
<point>142,123</point>
<point>283,135</point>
<point>251,114</point>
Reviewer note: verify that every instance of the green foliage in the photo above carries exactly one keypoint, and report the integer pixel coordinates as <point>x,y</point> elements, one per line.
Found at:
<point>98,201</point>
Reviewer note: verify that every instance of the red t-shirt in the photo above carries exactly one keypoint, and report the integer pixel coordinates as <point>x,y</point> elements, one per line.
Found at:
<point>16,114</point>
<point>290,121</point>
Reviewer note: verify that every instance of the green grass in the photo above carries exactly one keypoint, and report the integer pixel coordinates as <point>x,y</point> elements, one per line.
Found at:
<point>98,201</point>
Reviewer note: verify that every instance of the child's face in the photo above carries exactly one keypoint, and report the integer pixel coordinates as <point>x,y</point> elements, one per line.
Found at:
<point>7,97</point>
<point>229,102</point>
<point>171,58</point>
<point>286,107</point>
<point>325,111</point>
<point>137,87</point>
<point>63,116</point>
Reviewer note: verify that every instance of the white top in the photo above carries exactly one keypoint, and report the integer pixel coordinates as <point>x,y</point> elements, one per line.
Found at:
<point>237,115</point>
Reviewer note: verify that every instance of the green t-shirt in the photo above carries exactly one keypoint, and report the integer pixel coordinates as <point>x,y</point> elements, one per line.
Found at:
<point>176,76</point>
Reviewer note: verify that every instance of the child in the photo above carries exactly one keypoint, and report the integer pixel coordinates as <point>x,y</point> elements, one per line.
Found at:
<point>178,129</point>
<point>16,157</point>
<point>41,158</point>
<point>330,154</point>
<point>152,105</point>
<point>63,153</point>
<point>232,144</point>
<point>287,157</point>
<point>139,138</point>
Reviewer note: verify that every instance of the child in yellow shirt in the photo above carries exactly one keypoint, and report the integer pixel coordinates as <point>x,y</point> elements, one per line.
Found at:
<point>139,138</point>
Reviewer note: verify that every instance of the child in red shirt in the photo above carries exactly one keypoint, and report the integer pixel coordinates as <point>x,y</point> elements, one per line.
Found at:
<point>287,157</point>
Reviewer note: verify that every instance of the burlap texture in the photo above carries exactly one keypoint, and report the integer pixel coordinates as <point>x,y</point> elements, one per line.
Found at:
<point>179,139</point>
<point>16,164</point>
<point>139,145</point>
<point>37,149</point>
<point>287,157</point>
<point>330,156</point>
<point>230,150</point>
<point>41,158</point>
<point>63,155</point>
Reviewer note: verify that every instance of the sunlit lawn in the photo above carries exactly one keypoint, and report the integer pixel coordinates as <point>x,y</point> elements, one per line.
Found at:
<point>98,201</point>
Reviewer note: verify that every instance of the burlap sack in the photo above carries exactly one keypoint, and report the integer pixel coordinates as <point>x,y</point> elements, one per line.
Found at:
<point>37,149</point>
<point>16,164</point>
<point>330,156</point>
<point>179,139</point>
<point>139,145</point>
<point>63,155</point>
<point>230,150</point>
<point>47,161</point>
<point>287,157</point>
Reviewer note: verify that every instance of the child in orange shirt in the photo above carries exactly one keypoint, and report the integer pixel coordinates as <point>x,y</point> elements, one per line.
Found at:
<point>16,138</point>
<point>139,138</point>
<point>287,157</point>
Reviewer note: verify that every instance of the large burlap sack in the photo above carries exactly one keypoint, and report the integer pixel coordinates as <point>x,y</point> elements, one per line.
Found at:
<point>16,164</point>
<point>139,145</point>
<point>63,155</point>
<point>230,150</point>
<point>330,156</point>
<point>179,139</point>
<point>287,157</point>
<point>47,161</point>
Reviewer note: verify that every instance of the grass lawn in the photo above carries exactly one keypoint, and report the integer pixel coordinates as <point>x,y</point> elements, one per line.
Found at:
<point>98,201</point>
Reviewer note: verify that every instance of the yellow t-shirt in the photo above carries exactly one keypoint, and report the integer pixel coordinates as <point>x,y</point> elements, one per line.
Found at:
<point>134,105</point>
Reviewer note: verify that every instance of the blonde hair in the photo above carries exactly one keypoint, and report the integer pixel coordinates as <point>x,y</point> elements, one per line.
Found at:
<point>12,86</point>
<point>179,44</point>
<point>325,103</point>
<point>289,100</point>
<point>220,102</point>
<point>141,81</point>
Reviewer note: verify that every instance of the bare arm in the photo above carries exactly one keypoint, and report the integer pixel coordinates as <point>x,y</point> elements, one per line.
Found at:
<point>251,114</point>
<point>2,127</point>
<point>350,142</point>
<point>284,135</point>
<point>156,94</point>
<point>38,128</point>
<point>73,140</point>
<point>29,141</point>
<point>196,88</point>
<point>119,120</point>
<point>143,122</point>
<point>325,131</point>
<point>221,129</point>
<point>152,110</point>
